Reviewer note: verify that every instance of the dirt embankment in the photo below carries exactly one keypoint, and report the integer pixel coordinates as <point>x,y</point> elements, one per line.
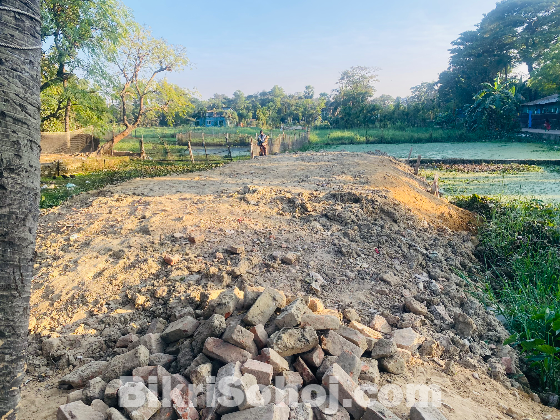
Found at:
<point>362,226</point>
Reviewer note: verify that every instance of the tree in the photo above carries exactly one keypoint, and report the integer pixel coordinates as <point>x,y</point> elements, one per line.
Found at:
<point>351,102</point>
<point>78,32</point>
<point>528,26</point>
<point>546,77</point>
<point>139,62</point>
<point>495,108</point>
<point>19,187</point>
<point>309,92</point>
<point>88,107</point>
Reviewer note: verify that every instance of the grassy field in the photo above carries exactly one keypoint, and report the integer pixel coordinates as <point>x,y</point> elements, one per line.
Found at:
<point>520,252</point>
<point>327,137</point>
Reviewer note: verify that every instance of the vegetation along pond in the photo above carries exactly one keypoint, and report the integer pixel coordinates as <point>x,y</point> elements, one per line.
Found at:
<point>510,181</point>
<point>477,150</point>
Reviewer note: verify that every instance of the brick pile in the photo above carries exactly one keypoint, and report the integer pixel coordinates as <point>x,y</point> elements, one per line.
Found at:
<point>270,350</point>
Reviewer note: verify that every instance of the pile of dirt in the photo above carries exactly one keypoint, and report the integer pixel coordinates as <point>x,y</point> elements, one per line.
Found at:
<point>356,230</point>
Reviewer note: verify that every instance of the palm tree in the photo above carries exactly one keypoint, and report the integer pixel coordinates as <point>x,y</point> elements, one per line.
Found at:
<point>20,55</point>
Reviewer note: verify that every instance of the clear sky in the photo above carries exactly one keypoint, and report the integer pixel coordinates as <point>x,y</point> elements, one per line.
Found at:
<point>254,45</point>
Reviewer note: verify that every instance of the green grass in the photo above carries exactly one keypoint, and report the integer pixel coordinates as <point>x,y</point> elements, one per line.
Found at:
<point>520,252</point>
<point>58,191</point>
<point>323,137</point>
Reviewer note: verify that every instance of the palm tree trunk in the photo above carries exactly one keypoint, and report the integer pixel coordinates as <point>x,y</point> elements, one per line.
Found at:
<point>19,188</point>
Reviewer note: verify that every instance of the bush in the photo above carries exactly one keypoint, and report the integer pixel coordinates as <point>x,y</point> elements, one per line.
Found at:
<point>520,248</point>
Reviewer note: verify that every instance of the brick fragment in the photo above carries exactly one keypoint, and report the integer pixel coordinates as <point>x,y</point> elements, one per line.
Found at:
<point>182,328</point>
<point>320,321</point>
<point>407,339</point>
<point>314,358</point>
<point>291,315</point>
<point>316,305</point>
<point>238,336</point>
<point>225,352</point>
<point>292,379</point>
<point>268,412</point>
<point>138,408</point>
<point>365,331</point>
<point>305,372</point>
<point>354,336</point>
<point>292,341</point>
<point>260,336</point>
<point>383,348</point>
<point>172,259</point>
<point>264,307</point>
<point>378,323</point>
<point>263,372</point>
<point>270,356</point>
<point>349,393</point>
<point>377,411</point>
<point>78,411</point>
<point>334,344</point>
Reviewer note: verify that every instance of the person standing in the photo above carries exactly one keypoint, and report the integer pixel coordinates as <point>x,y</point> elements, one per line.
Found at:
<point>262,142</point>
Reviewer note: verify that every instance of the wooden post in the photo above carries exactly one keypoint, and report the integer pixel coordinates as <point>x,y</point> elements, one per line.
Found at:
<point>435,186</point>
<point>252,148</point>
<point>142,151</point>
<point>190,152</point>
<point>417,166</point>
<point>204,144</point>
<point>228,147</point>
<point>409,155</point>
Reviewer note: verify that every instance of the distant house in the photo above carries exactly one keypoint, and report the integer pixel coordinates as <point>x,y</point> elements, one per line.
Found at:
<point>534,113</point>
<point>214,119</point>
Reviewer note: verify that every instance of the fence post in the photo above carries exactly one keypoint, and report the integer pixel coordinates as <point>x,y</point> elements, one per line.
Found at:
<point>204,144</point>
<point>228,147</point>
<point>417,165</point>
<point>190,152</point>
<point>142,151</point>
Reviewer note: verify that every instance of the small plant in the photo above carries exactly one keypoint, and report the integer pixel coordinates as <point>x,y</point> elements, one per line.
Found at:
<point>543,354</point>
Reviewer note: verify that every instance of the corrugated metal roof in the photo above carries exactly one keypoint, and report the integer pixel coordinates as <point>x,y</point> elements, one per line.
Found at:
<point>543,101</point>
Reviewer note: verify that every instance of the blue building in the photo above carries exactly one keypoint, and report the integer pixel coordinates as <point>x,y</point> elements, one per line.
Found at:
<point>535,113</point>
<point>214,119</point>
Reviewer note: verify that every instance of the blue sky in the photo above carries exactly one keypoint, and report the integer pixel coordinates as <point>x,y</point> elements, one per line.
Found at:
<point>253,45</point>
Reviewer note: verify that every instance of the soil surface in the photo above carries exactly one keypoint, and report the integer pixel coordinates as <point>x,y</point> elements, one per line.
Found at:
<point>362,226</point>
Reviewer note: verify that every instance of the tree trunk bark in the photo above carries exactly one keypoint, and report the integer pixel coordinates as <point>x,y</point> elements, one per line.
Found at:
<point>19,189</point>
<point>67,109</point>
<point>106,148</point>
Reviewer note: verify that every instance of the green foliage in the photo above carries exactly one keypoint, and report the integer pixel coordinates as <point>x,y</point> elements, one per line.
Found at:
<point>495,109</point>
<point>546,78</point>
<point>77,34</point>
<point>137,63</point>
<point>351,106</point>
<point>325,137</point>
<point>515,32</point>
<point>520,247</point>
<point>88,108</point>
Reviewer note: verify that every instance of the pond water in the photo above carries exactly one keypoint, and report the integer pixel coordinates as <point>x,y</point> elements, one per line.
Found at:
<point>479,150</point>
<point>543,185</point>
